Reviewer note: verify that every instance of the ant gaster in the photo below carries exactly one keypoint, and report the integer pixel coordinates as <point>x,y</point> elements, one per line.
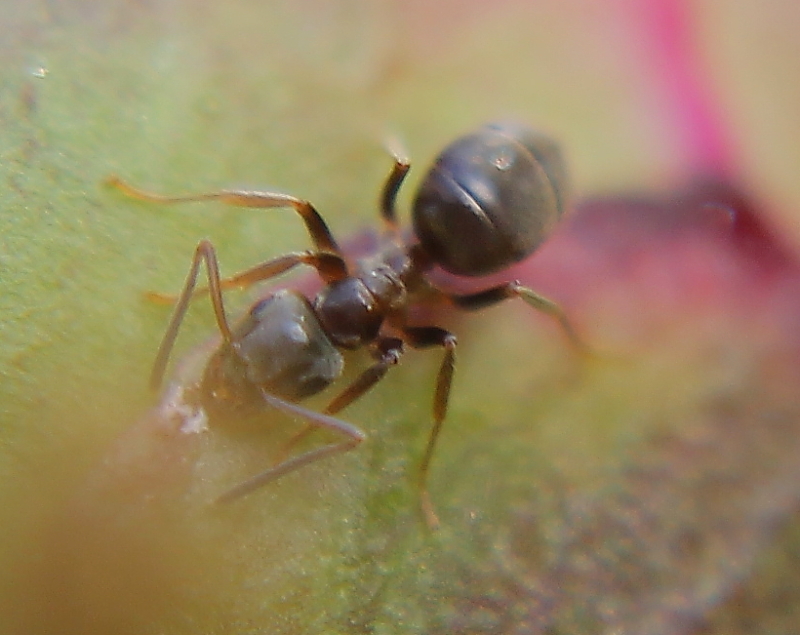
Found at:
<point>490,199</point>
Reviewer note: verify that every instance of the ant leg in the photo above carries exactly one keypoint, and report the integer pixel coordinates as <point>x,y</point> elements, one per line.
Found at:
<point>329,266</point>
<point>387,352</point>
<point>514,289</point>
<point>392,185</point>
<point>203,251</point>
<point>353,434</point>
<point>317,228</point>
<point>424,337</point>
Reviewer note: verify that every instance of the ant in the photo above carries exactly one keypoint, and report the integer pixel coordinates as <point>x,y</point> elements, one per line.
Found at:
<point>489,200</point>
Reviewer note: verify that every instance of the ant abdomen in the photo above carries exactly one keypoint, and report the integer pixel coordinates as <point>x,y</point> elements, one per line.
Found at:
<point>490,199</point>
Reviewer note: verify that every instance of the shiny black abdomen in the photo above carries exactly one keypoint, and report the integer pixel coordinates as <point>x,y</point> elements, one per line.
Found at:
<point>490,199</point>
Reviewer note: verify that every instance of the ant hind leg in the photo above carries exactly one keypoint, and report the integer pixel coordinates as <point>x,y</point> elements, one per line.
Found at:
<point>514,289</point>
<point>317,227</point>
<point>392,185</point>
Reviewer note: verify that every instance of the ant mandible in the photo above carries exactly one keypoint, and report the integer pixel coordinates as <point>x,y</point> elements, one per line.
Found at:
<point>490,199</point>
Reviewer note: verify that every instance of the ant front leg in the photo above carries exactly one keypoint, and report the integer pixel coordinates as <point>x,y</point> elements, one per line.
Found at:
<point>316,419</point>
<point>514,289</point>
<point>425,337</point>
<point>317,228</point>
<point>387,352</point>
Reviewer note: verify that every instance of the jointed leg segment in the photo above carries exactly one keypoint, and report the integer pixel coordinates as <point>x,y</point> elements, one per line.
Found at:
<point>387,353</point>
<point>317,228</point>
<point>318,420</point>
<point>424,337</point>
<point>514,289</point>
<point>329,266</point>
<point>203,252</point>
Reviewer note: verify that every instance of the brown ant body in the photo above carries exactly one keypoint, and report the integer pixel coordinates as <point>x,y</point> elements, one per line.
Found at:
<point>490,199</point>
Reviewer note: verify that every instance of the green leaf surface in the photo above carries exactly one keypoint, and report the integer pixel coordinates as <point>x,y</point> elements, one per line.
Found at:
<point>631,493</point>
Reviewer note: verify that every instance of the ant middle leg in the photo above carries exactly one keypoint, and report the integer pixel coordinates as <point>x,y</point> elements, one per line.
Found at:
<point>425,337</point>
<point>317,227</point>
<point>329,266</point>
